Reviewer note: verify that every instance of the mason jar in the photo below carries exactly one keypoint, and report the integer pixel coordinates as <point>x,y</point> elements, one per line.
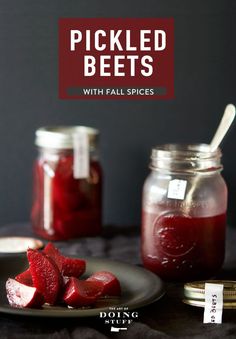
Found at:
<point>184,212</point>
<point>67,185</point>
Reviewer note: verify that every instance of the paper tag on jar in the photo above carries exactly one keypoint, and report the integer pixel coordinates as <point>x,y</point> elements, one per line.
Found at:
<point>213,303</point>
<point>81,155</point>
<point>176,189</point>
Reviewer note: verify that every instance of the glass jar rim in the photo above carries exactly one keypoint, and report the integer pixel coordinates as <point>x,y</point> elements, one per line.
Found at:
<point>186,157</point>
<point>61,137</point>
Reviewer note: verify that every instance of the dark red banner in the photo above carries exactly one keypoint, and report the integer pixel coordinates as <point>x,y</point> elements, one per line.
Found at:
<point>116,58</point>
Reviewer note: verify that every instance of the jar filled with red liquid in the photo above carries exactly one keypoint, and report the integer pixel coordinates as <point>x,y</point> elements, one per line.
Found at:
<point>67,189</point>
<point>184,213</point>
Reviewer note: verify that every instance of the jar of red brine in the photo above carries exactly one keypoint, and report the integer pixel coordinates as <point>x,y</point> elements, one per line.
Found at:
<point>67,198</point>
<point>184,212</point>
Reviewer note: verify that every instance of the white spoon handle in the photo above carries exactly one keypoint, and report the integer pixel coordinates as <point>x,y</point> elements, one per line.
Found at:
<point>226,121</point>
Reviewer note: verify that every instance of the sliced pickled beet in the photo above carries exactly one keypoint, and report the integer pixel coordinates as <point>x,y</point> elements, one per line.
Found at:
<point>74,202</point>
<point>68,198</point>
<point>73,267</point>
<point>110,284</point>
<point>64,170</point>
<point>54,254</point>
<point>64,200</point>
<point>45,275</point>
<point>67,191</point>
<point>20,295</point>
<point>67,266</point>
<point>79,293</point>
<point>25,278</point>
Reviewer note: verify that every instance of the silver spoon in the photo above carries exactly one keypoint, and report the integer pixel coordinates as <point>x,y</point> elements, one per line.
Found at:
<point>225,123</point>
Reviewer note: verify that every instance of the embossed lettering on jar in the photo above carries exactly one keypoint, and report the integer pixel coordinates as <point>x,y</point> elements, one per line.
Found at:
<point>184,212</point>
<point>67,199</point>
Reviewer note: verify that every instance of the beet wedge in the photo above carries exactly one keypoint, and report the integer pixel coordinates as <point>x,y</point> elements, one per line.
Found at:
<point>20,295</point>
<point>25,278</point>
<point>45,275</point>
<point>69,267</point>
<point>110,283</point>
<point>81,293</point>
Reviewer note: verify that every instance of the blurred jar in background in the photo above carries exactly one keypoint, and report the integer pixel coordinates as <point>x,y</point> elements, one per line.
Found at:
<point>67,187</point>
<point>184,213</point>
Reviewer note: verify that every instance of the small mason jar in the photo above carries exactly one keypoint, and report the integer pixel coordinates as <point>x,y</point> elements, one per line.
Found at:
<point>67,187</point>
<point>184,212</point>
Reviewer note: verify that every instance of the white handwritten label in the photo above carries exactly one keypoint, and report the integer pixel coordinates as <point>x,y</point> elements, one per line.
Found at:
<point>81,155</point>
<point>176,189</point>
<point>213,303</point>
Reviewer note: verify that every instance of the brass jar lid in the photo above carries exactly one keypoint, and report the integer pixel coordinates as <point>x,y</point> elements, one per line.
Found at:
<point>194,293</point>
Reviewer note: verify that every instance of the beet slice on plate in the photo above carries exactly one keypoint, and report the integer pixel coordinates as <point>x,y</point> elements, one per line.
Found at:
<point>25,278</point>
<point>69,267</point>
<point>45,275</point>
<point>79,293</point>
<point>20,295</point>
<point>110,283</point>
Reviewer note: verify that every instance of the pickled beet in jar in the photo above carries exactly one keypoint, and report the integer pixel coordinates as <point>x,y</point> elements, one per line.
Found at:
<point>184,213</point>
<point>67,190</point>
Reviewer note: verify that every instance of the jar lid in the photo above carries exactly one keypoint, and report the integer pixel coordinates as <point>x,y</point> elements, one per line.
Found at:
<point>61,137</point>
<point>194,293</point>
<point>18,244</point>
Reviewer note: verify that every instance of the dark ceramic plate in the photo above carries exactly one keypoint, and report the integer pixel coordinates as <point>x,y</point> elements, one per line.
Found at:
<point>139,288</point>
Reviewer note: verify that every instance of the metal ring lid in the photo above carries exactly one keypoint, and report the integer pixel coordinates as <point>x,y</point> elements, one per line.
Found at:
<point>194,293</point>
<point>61,137</point>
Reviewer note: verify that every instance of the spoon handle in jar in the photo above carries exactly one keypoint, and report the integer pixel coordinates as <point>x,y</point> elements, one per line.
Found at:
<point>226,121</point>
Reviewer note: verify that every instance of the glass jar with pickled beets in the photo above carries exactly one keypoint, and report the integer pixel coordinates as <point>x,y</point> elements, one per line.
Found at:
<point>67,189</point>
<point>184,213</point>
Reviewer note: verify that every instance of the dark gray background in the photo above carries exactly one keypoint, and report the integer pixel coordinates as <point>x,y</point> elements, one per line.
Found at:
<point>205,73</point>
